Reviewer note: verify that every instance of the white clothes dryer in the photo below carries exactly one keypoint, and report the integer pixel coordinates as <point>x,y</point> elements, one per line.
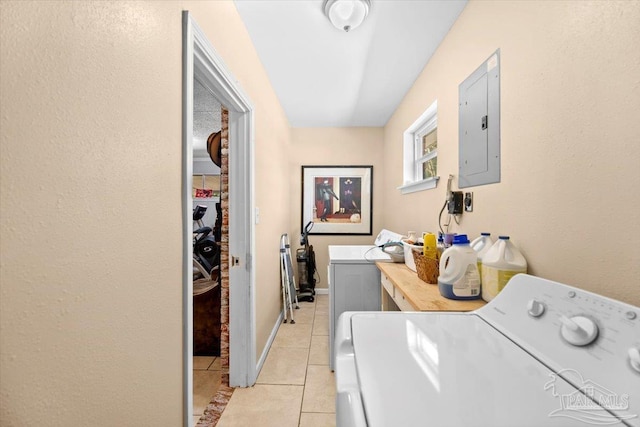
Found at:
<point>354,279</point>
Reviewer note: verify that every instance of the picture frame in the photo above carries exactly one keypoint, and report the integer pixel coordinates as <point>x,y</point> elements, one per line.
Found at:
<point>337,199</point>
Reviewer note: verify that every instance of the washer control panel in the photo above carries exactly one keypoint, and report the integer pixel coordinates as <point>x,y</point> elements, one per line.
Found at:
<point>595,338</point>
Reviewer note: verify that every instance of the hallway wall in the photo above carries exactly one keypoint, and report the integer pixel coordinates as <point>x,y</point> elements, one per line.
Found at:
<point>570,97</point>
<point>334,147</point>
<point>91,228</point>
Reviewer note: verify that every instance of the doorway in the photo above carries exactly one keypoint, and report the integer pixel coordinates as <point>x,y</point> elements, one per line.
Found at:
<point>237,268</point>
<point>208,234</point>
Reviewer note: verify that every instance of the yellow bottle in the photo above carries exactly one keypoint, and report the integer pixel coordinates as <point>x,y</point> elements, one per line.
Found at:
<point>430,250</point>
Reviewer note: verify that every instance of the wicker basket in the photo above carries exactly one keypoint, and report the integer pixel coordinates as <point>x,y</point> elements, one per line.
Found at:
<point>428,268</point>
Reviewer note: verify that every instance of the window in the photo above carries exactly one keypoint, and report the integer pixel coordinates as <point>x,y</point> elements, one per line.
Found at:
<point>205,186</point>
<point>428,150</point>
<point>420,152</point>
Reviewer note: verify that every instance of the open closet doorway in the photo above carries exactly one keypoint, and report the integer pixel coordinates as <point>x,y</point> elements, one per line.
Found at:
<point>202,66</point>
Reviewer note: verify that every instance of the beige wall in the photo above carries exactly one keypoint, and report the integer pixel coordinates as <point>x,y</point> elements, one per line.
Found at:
<point>334,147</point>
<point>227,34</point>
<point>569,108</point>
<point>90,119</point>
<point>91,243</point>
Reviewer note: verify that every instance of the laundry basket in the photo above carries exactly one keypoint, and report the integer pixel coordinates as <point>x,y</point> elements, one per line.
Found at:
<point>408,258</point>
<point>427,268</point>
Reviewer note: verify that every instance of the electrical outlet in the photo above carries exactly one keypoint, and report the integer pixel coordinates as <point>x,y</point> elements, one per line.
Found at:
<point>468,201</point>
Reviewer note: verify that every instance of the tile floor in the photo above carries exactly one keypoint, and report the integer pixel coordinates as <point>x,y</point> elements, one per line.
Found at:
<point>295,387</point>
<point>206,381</point>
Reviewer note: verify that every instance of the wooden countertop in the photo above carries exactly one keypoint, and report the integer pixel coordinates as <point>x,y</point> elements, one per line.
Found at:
<point>421,295</point>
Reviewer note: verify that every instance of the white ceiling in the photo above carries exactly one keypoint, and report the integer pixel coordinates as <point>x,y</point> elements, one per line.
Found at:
<point>325,77</point>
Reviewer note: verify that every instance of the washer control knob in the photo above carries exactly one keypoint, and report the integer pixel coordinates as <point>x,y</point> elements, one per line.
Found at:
<point>578,330</point>
<point>535,308</point>
<point>634,358</point>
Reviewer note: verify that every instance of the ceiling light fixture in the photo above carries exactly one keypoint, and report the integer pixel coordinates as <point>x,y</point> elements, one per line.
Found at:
<point>346,14</point>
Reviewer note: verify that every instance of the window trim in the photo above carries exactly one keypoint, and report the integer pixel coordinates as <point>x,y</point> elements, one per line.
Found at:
<point>411,146</point>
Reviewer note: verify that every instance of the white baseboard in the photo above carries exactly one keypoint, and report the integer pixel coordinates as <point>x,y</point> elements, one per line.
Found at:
<point>272,337</point>
<point>274,331</point>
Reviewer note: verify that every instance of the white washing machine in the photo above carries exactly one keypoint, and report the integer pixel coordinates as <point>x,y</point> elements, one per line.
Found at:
<point>354,279</point>
<point>540,354</point>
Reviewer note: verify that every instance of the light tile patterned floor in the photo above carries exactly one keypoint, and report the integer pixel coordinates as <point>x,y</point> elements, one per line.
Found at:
<point>206,381</point>
<point>295,388</point>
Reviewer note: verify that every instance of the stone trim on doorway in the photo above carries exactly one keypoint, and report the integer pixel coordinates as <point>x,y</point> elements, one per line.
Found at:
<point>224,249</point>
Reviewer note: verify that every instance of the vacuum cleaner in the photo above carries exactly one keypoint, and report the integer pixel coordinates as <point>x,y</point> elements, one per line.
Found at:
<point>306,259</point>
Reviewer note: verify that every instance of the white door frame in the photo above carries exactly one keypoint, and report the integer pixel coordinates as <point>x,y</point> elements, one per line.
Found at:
<point>199,58</point>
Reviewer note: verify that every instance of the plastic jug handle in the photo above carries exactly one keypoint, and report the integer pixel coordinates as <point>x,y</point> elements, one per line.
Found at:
<point>447,262</point>
<point>503,249</point>
<point>443,262</point>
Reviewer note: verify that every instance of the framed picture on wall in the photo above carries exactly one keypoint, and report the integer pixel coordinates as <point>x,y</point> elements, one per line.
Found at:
<point>337,199</point>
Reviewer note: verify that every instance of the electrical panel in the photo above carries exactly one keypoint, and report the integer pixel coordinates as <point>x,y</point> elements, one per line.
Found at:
<point>479,125</point>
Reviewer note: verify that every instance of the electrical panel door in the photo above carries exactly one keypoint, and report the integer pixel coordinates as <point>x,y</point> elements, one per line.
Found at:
<point>479,125</point>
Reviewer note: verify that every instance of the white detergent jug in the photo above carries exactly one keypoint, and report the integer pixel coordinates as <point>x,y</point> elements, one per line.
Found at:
<point>482,245</point>
<point>499,265</point>
<point>459,277</point>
